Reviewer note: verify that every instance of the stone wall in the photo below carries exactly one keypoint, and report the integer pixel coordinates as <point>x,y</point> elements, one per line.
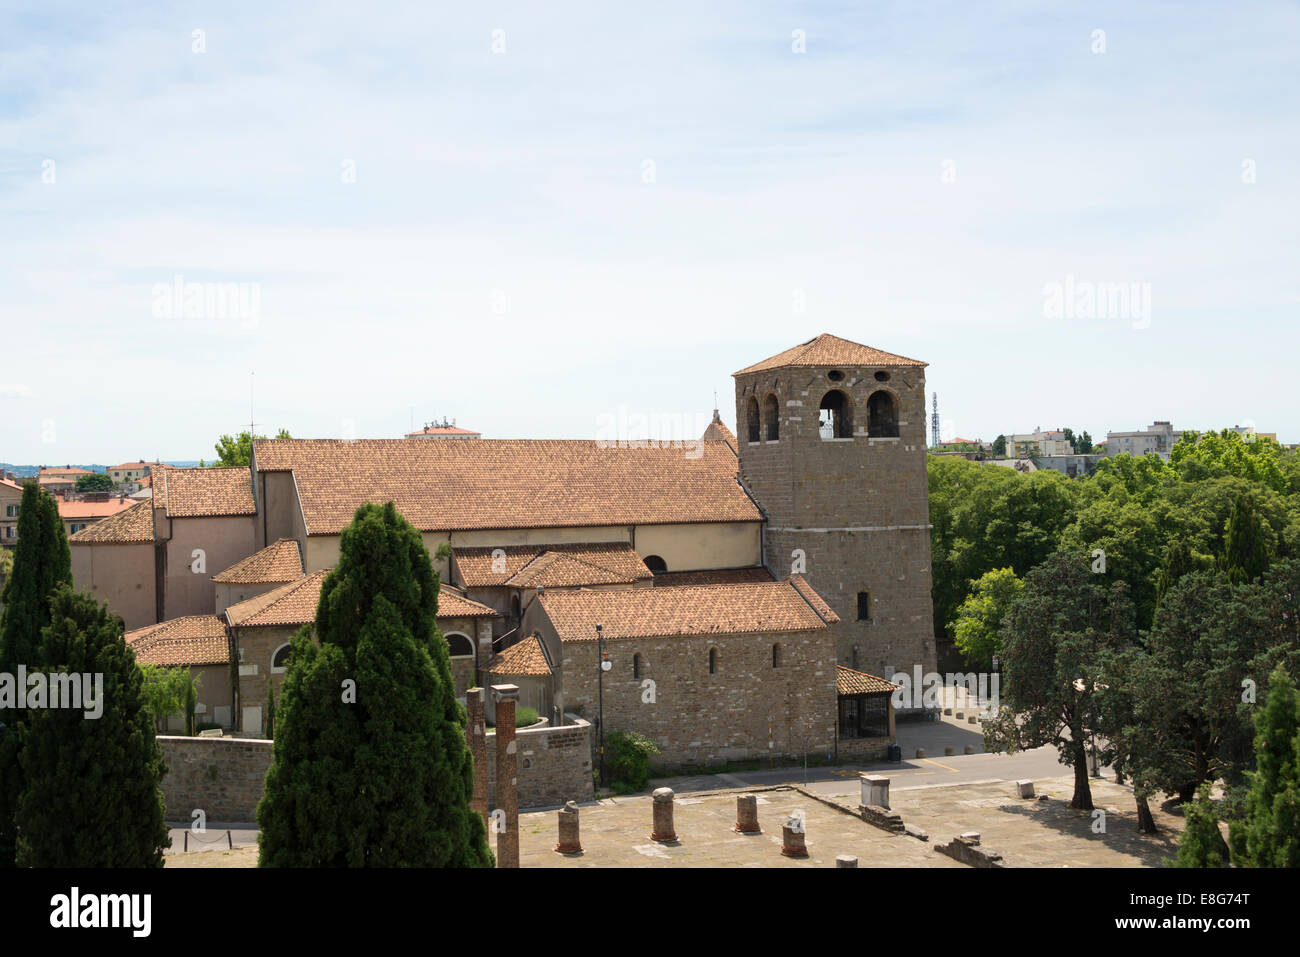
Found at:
<point>864,749</point>
<point>702,719</point>
<point>554,764</point>
<point>224,777</point>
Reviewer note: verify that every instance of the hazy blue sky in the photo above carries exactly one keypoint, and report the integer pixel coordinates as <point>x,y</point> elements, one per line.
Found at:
<point>915,180</point>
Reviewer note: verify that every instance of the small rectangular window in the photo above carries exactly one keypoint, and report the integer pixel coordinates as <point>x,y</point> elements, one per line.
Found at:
<point>864,606</point>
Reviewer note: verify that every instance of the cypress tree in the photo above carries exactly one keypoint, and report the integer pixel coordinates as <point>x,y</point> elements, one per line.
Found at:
<point>91,796</point>
<point>370,765</point>
<point>1202,844</point>
<point>1270,834</point>
<point>41,562</point>
<point>1245,549</point>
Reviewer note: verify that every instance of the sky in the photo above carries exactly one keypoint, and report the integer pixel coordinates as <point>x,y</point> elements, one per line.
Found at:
<point>537,218</point>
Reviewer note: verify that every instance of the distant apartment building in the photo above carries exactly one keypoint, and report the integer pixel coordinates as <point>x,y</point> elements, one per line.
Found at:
<point>82,514</point>
<point>1158,438</point>
<point>1052,442</point>
<point>128,472</point>
<point>11,495</point>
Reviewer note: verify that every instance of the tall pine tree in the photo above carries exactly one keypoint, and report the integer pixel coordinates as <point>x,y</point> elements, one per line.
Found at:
<point>1245,547</point>
<point>371,767</point>
<point>91,796</point>
<point>1202,844</point>
<point>41,562</point>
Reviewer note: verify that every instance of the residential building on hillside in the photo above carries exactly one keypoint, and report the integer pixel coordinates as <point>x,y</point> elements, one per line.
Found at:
<point>1049,442</point>
<point>11,496</point>
<point>1157,438</point>
<point>83,513</point>
<point>129,472</point>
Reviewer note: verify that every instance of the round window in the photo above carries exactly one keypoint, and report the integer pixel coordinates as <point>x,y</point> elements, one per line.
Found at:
<point>882,376</point>
<point>835,375</point>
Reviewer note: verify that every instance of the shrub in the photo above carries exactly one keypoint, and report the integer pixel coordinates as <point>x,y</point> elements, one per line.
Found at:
<point>526,716</point>
<point>629,760</point>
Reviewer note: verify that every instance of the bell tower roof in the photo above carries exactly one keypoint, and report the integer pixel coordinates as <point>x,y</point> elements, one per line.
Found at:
<point>829,350</point>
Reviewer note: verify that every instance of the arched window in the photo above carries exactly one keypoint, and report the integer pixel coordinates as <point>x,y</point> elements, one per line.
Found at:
<point>882,416</point>
<point>771,418</point>
<point>713,661</point>
<point>459,646</point>
<point>836,420</point>
<point>656,564</point>
<point>636,666</point>
<point>776,656</point>
<point>280,659</point>
<point>751,416</point>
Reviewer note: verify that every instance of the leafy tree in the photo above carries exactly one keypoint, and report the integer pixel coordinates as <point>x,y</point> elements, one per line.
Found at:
<point>979,619</point>
<point>41,562</point>
<point>1000,447</point>
<point>91,796</point>
<point>1083,444</point>
<point>169,691</point>
<point>1270,834</point>
<point>95,482</point>
<point>370,763</point>
<point>629,765</point>
<point>1202,844</point>
<point>1058,637</point>
<point>1179,560</point>
<point>238,450</point>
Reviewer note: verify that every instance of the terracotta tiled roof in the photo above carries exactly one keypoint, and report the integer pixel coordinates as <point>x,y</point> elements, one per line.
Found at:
<point>452,603</point>
<point>686,610</point>
<point>74,472</point>
<point>8,484</point>
<point>279,562</point>
<point>476,565</point>
<point>829,350</point>
<point>56,480</point>
<point>73,510</point>
<point>818,603</point>
<point>130,526</point>
<point>558,570</point>
<point>515,483</point>
<point>192,640</point>
<point>718,432</point>
<point>291,604</point>
<point>204,492</point>
<point>848,681</point>
<point>130,466</point>
<point>526,657</point>
<point>719,576</point>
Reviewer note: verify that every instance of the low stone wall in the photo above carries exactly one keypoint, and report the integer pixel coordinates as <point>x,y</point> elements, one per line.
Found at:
<point>968,850</point>
<point>864,749</point>
<point>554,764</point>
<point>223,777</point>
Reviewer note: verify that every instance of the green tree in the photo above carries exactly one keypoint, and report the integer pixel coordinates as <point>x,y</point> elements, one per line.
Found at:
<point>1179,560</point>
<point>1270,834</point>
<point>238,450</point>
<point>41,562</point>
<point>91,795</point>
<point>1202,844</point>
<point>168,692</point>
<point>1245,550</point>
<point>979,618</point>
<point>95,482</point>
<point>1000,447</point>
<point>1058,638</point>
<point>370,764</point>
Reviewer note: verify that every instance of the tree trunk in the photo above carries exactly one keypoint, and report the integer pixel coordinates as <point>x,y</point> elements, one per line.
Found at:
<point>1082,790</point>
<point>1146,823</point>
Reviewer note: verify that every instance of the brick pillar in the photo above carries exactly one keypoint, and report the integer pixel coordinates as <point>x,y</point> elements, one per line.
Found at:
<point>792,838</point>
<point>747,815</point>
<point>569,840</point>
<point>475,734</point>
<point>507,775</point>
<point>663,816</point>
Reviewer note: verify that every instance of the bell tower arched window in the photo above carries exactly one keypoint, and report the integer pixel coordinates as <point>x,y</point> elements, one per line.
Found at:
<point>751,417</point>
<point>882,416</point>
<point>836,420</point>
<point>771,419</point>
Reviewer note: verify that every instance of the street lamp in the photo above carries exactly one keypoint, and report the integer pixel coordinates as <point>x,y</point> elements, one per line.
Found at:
<point>602,656</point>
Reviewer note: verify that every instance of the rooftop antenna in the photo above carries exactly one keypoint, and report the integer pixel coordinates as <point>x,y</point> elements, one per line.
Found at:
<point>934,420</point>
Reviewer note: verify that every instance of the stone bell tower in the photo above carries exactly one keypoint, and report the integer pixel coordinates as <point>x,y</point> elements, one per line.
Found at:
<point>832,447</point>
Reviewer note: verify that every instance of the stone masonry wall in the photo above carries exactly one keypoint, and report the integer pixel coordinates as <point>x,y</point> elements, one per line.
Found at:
<point>702,719</point>
<point>224,777</point>
<point>554,764</point>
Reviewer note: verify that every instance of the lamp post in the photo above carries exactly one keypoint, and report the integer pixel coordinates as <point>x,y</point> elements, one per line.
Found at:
<point>603,660</point>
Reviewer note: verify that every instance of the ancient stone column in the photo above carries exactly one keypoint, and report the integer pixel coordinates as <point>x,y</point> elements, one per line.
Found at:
<point>507,775</point>
<point>476,737</point>
<point>569,841</point>
<point>875,790</point>
<point>747,815</point>
<point>845,860</point>
<point>663,816</point>
<point>792,838</point>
